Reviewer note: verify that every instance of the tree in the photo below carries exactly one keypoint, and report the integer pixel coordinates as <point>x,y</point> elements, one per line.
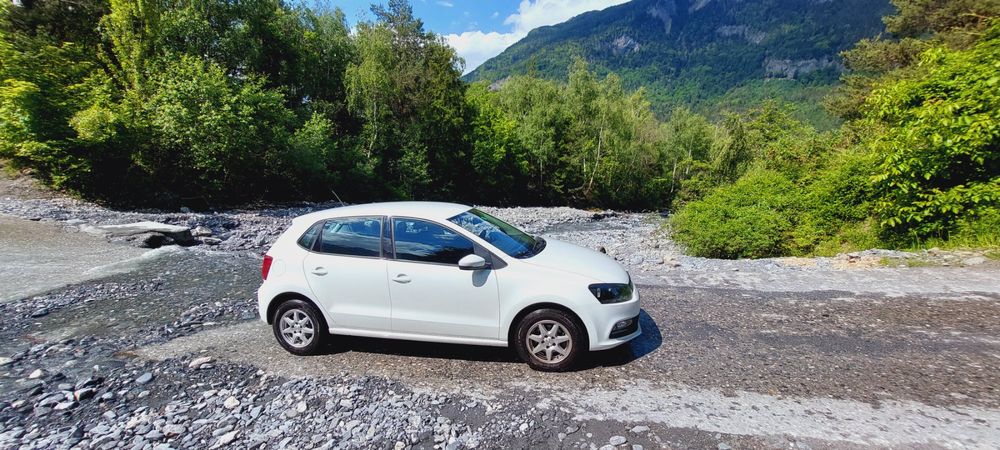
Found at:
<point>939,157</point>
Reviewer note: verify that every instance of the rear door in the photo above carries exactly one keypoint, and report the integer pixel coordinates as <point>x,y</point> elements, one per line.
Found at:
<point>430,295</point>
<point>347,274</point>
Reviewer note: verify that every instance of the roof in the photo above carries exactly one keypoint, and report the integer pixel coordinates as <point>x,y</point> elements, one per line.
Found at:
<point>427,210</point>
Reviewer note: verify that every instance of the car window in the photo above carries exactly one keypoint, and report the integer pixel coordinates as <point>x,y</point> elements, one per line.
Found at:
<point>352,236</point>
<point>502,235</point>
<point>418,240</point>
<point>309,237</point>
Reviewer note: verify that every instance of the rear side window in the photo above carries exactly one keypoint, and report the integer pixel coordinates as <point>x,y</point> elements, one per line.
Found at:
<point>417,240</point>
<point>351,236</point>
<point>309,237</point>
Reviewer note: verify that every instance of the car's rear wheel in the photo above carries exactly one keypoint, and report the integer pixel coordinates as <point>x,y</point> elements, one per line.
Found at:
<point>299,327</point>
<point>550,340</point>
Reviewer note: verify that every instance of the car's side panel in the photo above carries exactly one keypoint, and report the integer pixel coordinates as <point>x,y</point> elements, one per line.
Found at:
<point>443,300</point>
<point>352,291</point>
<point>522,288</point>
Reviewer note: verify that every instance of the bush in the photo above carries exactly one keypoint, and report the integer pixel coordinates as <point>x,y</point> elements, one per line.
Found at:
<point>751,218</point>
<point>836,204</point>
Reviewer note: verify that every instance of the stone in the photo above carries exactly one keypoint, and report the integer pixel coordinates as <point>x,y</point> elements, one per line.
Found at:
<point>144,378</point>
<point>227,438</point>
<point>724,446</point>
<point>200,361</point>
<point>231,403</point>
<point>179,233</point>
<point>150,240</point>
<point>638,429</point>
<point>89,382</point>
<point>974,261</point>
<point>84,394</point>
<point>40,313</point>
<point>174,430</point>
<point>617,440</point>
<point>5,360</point>
<point>153,435</point>
<point>201,231</point>
<point>211,241</point>
<point>301,407</point>
<point>62,406</point>
<point>36,374</point>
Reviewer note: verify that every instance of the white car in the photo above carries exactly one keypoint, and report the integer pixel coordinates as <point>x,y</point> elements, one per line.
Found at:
<point>442,272</point>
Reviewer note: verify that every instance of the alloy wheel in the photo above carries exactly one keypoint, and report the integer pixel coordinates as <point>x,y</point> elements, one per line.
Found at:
<point>549,341</point>
<point>297,328</point>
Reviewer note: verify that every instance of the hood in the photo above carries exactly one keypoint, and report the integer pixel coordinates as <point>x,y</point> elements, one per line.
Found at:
<point>567,257</point>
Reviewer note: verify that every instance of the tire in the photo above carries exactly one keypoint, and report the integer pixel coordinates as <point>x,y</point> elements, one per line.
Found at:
<point>546,331</point>
<point>299,327</point>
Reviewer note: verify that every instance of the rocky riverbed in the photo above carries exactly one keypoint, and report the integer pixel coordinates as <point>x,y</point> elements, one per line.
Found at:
<point>160,349</point>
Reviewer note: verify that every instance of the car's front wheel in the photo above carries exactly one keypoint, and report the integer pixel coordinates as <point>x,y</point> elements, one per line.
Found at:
<point>549,340</point>
<point>299,327</point>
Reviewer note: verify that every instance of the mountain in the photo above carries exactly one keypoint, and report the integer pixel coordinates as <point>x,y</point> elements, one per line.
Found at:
<point>710,55</point>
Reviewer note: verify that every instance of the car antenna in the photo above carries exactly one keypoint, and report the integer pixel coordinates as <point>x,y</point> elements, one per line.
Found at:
<point>337,197</point>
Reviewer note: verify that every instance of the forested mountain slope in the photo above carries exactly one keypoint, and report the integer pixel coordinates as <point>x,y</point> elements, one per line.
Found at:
<point>705,54</point>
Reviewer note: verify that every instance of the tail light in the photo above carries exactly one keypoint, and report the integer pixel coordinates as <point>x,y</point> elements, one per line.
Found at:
<point>264,269</point>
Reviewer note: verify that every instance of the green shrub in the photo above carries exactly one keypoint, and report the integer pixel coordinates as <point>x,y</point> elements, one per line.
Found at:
<point>836,205</point>
<point>751,218</point>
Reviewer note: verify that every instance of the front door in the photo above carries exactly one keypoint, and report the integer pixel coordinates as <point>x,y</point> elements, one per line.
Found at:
<point>430,294</point>
<point>347,273</point>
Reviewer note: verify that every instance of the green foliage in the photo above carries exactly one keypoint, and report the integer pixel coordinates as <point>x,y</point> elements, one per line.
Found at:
<point>751,218</point>
<point>938,161</point>
<point>210,132</point>
<point>587,141</point>
<point>405,85</point>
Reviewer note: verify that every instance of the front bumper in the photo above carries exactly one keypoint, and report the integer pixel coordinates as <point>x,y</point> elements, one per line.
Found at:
<point>605,335</point>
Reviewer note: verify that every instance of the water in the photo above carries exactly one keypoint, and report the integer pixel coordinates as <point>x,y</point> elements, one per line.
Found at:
<point>40,256</point>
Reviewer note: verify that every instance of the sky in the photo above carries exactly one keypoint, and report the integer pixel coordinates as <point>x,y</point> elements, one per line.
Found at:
<point>481,29</point>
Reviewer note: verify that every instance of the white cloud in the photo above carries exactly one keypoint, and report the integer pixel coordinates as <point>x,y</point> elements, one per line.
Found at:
<point>477,46</point>
<point>445,3</point>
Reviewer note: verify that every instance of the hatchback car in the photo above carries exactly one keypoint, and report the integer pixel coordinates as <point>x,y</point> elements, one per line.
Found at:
<point>442,272</point>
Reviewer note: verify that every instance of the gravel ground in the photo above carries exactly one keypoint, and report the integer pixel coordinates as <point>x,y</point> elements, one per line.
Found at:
<point>781,353</point>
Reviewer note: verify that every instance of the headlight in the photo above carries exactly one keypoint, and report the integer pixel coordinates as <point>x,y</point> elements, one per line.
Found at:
<point>612,292</point>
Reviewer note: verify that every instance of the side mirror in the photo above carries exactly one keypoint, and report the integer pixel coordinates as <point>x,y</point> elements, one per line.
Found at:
<point>473,262</point>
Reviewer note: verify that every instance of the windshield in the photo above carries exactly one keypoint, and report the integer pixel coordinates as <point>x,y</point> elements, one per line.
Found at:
<point>500,234</point>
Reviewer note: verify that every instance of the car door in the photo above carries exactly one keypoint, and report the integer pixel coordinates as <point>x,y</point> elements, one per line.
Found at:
<point>430,294</point>
<point>346,272</point>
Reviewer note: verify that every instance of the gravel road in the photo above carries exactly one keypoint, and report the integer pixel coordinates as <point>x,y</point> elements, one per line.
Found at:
<point>166,352</point>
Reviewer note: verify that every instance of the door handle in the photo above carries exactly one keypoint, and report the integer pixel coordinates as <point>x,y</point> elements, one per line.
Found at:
<point>319,271</point>
<point>401,278</point>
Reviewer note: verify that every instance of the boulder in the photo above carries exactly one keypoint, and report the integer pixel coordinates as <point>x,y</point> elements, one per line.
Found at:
<point>144,231</point>
<point>149,240</point>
